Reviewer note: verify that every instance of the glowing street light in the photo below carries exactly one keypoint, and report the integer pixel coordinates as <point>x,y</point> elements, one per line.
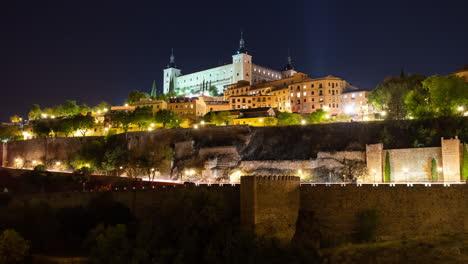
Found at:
<point>383,113</point>
<point>460,108</point>
<point>150,129</point>
<point>34,162</point>
<point>195,126</point>
<point>44,115</point>
<point>126,105</point>
<point>327,116</point>
<point>152,124</point>
<point>53,117</point>
<point>303,122</point>
<point>202,122</point>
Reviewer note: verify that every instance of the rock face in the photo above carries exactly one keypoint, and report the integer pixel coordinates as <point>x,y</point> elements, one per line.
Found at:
<point>270,206</point>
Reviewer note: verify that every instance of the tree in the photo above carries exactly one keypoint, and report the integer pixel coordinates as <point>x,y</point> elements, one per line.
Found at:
<point>102,106</point>
<point>112,246</point>
<point>387,167</point>
<point>213,91</point>
<point>42,128</point>
<point>391,93</point>
<point>15,119</point>
<point>69,108</point>
<point>65,126</point>
<point>114,157</point>
<point>123,119</point>
<point>434,171</point>
<point>220,118</point>
<point>288,119</point>
<point>8,132</point>
<point>13,247</point>
<point>167,118</point>
<point>316,117</point>
<point>154,92</point>
<point>439,96</point>
<point>35,112</point>
<point>135,96</point>
<point>83,123</point>
<point>142,116</point>
<point>171,87</point>
<point>465,163</point>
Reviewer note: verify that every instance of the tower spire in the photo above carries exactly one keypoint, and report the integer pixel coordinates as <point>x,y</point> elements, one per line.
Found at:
<point>242,48</point>
<point>172,60</point>
<point>289,65</point>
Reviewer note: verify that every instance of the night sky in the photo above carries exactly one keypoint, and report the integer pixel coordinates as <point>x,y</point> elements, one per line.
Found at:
<point>90,51</point>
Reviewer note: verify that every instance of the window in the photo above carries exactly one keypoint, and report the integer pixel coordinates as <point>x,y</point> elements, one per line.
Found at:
<point>304,93</point>
<point>353,96</point>
<point>298,95</point>
<point>312,86</point>
<point>320,92</point>
<point>321,99</point>
<point>305,100</point>
<point>320,86</point>
<point>345,96</point>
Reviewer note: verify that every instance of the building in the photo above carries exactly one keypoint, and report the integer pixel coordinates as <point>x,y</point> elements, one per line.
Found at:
<point>155,105</point>
<point>264,116</point>
<point>355,104</point>
<point>243,95</point>
<point>187,108</point>
<point>241,69</point>
<point>321,93</point>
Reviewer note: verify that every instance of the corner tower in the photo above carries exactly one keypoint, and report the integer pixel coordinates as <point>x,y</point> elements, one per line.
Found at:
<point>242,64</point>
<point>170,74</point>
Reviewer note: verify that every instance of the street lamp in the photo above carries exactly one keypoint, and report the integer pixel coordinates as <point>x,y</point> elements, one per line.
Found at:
<point>303,122</point>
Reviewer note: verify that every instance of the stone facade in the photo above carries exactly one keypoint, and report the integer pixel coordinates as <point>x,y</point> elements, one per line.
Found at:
<point>270,206</point>
<point>241,69</point>
<point>451,159</point>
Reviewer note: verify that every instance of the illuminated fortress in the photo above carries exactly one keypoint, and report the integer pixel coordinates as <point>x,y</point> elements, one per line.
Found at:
<point>241,69</point>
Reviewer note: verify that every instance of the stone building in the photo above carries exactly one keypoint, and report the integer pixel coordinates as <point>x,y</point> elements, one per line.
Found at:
<point>241,69</point>
<point>155,105</point>
<point>275,94</point>
<point>189,108</point>
<point>354,103</point>
<point>322,93</point>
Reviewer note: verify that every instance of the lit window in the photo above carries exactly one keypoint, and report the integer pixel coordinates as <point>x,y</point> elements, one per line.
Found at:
<point>305,86</point>
<point>345,96</point>
<point>304,93</point>
<point>298,95</point>
<point>360,94</point>
<point>353,96</point>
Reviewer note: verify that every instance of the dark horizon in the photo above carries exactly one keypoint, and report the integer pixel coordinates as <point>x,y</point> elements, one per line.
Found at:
<point>52,51</point>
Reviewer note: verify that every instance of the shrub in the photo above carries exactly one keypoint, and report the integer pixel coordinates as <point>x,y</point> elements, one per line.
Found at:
<point>434,172</point>
<point>387,167</point>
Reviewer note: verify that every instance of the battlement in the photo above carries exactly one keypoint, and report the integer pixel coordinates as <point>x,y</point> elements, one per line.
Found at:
<point>280,178</point>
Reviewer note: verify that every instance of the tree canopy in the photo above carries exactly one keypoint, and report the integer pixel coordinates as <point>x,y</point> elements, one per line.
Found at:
<point>288,119</point>
<point>135,96</point>
<point>168,118</point>
<point>439,96</point>
<point>390,94</point>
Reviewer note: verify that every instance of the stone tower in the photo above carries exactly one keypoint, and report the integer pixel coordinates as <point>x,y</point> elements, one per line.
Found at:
<point>242,64</point>
<point>170,73</point>
<point>270,206</point>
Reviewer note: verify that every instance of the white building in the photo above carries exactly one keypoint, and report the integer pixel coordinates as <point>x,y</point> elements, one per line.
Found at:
<point>241,68</point>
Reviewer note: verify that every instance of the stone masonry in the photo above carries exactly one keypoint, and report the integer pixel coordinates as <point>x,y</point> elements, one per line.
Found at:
<point>270,206</point>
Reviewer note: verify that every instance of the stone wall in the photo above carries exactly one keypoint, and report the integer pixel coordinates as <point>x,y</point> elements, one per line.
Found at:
<point>270,206</point>
<point>43,150</point>
<point>451,159</point>
<point>404,211</point>
<point>412,164</point>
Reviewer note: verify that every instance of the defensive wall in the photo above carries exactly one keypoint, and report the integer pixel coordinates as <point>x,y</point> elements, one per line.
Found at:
<point>272,206</point>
